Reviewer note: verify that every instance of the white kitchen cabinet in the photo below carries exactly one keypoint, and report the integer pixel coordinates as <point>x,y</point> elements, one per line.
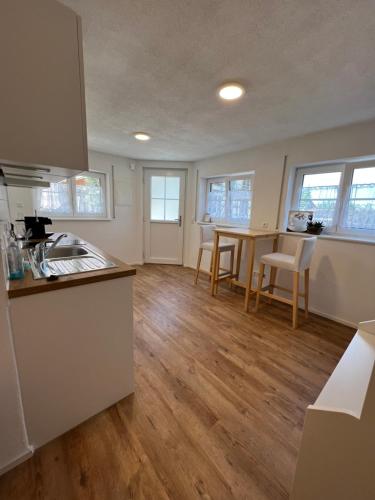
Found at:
<point>14,446</point>
<point>74,351</point>
<point>42,98</point>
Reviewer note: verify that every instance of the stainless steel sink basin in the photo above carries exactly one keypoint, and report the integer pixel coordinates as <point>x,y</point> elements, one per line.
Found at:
<point>65,260</point>
<point>67,251</point>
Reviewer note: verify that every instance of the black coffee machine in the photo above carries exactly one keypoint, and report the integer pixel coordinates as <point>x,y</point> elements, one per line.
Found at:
<point>35,227</point>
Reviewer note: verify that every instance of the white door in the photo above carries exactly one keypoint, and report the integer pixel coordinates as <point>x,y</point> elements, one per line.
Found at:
<point>164,195</point>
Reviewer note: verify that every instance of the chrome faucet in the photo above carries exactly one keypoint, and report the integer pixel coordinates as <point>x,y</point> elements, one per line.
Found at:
<point>54,244</point>
<point>41,250</point>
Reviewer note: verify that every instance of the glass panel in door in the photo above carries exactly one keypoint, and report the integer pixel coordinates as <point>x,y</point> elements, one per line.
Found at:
<point>165,198</point>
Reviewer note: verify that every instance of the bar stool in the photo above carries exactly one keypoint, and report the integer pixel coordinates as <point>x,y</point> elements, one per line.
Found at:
<point>207,243</point>
<point>300,262</point>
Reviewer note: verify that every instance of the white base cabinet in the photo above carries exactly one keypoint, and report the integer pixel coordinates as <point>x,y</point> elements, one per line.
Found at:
<point>14,446</point>
<point>336,459</point>
<point>74,351</point>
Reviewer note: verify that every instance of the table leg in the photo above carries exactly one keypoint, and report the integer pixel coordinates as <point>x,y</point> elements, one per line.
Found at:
<point>239,255</point>
<point>250,268</point>
<point>215,263</point>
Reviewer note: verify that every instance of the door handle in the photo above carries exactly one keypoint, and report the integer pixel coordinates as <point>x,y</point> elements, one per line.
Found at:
<point>179,220</point>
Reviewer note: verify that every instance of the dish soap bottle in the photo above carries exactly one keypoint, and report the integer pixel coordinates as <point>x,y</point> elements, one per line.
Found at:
<point>14,257</point>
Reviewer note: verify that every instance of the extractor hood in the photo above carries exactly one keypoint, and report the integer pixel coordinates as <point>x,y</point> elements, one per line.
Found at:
<point>23,176</point>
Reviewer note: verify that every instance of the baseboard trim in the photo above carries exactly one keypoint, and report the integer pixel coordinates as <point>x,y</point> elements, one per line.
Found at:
<point>138,263</point>
<point>333,318</point>
<point>318,313</point>
<point>21,458</point>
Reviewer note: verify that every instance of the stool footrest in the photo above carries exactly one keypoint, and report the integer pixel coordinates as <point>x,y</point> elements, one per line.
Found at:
<point>268,287</point>
<point>276,297</point>
<point>226,274</point>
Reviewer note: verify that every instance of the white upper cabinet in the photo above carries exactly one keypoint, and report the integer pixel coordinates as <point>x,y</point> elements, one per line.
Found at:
<point>42,99</point>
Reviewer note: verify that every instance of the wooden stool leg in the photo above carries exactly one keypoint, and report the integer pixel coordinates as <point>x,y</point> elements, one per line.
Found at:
<point>198,265</point>
<point>231,268</point>
<point>250,267</point>
<point>217,271</point>
<point>260,284</point>
<point>307,282</point>
<point>273,274</point>
<point>295,298</point>
<point>215,258</point>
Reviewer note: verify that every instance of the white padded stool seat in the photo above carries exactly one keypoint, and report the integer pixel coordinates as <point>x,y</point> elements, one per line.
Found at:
<point>207,238</point>
<point>280,260</point>
<point>209,245</point>
<point>300,262</point>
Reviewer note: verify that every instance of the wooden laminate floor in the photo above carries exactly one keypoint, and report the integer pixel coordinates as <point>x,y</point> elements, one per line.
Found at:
<point>218,409</point>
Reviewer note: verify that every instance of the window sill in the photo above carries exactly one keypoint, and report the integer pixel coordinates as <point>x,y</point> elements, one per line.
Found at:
<point>81,219</point>
<point>335,237</point>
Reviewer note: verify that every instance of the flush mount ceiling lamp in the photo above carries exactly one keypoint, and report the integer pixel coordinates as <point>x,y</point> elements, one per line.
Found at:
<point>231,91</point>
<point>141,136</point>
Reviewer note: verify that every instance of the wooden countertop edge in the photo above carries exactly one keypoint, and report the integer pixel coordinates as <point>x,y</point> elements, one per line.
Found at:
<point>78,280</point>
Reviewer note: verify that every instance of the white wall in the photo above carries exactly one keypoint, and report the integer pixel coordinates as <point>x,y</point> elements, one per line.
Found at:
<point>343,273</point>
<point>20,202</point>
<point>13,440</point>
<point>342,279</point>
<point>343,262</point>
<point>122,236</point>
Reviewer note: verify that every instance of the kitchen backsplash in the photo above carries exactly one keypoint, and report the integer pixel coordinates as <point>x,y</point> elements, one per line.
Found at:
<point>4,213</point>
<point>4,218</point>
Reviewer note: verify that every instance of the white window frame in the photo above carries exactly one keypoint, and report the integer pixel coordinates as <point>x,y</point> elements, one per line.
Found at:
<point>227,179</point>
<point>302,171</point>
<point>343,194</point>
<point>347,183</point>
<point>73,201</point>
<point>214,180</point>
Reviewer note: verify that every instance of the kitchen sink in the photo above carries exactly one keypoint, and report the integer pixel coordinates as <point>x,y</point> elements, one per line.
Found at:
<point>66,260</point>
<point>67,251</point>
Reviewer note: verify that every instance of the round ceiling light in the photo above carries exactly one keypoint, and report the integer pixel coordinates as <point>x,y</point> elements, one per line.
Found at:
<point>231,91</point>
<point>141,136</point>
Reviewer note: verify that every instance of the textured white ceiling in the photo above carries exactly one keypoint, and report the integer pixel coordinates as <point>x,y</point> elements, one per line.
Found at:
<point>154,66</point>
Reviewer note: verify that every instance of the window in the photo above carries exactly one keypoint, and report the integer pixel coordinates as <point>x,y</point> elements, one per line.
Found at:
<point>342,196</point>
<point>216,199</point>
<point>318,190</point>
<point>229,199</point>
<point>89,195</point>
<point>165,198</point>
<point>359,211</point>
<point>82,196</point>
<point>55,200</point>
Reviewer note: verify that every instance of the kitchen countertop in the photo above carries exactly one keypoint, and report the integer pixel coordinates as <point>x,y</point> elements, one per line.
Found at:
<point>28,285</point>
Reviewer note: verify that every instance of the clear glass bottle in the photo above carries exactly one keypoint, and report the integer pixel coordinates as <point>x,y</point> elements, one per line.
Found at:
<point>15,261</point>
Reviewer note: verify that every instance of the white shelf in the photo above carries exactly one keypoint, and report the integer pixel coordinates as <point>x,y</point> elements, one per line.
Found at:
<point>346,389</point>
<point>338,441</point>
